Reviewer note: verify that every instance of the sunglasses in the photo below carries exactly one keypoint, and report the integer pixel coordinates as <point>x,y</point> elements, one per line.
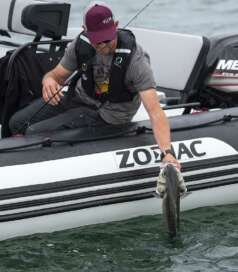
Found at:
<point>106,41</point>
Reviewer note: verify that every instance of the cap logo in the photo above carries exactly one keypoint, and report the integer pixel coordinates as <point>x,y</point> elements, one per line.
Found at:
<point>107,20</point>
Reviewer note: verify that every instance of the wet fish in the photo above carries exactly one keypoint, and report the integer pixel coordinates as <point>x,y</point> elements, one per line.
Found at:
<point>170,185</point>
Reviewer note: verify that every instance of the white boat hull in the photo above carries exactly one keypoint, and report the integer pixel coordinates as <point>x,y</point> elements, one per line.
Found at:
<point>115,212</point>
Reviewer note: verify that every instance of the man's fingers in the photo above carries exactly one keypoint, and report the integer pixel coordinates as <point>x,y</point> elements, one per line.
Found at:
<point>49,94</point>
<point>169,158</point>
<point>55,97</point>
<point>45,95</point>
<point>61,93</point>
<point>174,162</point>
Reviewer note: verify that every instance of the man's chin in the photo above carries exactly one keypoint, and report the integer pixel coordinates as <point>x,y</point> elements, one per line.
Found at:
<point>103,52</point>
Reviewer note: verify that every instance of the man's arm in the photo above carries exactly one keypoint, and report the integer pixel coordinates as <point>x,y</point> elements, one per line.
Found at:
<point>52,81</point>
<point>159,122</point>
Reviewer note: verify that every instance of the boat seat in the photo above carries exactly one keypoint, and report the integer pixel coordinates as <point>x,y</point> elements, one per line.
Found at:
<point>35,17</point>
<point>22,69</point>
<point>176,59</point>
<point>23,74</point>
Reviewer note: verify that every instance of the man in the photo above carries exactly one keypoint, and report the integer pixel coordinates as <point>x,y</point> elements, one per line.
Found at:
<point>115,77</point>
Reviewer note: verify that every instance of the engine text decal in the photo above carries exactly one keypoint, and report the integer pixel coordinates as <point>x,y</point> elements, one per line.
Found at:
<point>227,65</point>
<point>189,150</point>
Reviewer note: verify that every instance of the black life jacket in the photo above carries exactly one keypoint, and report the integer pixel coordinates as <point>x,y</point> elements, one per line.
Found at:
<point>117,91</point>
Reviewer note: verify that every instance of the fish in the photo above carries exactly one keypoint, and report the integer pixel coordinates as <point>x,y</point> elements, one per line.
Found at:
<point>170,187</point>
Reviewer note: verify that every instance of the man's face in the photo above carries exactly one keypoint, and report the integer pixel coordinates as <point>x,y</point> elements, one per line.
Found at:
<point>105,47</point>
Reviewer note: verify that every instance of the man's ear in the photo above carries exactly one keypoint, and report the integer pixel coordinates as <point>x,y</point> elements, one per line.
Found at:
<point>116,23</point>
<point>84,28</point>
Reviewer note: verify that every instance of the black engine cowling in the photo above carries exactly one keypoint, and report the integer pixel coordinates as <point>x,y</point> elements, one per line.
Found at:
<point>220,88</point>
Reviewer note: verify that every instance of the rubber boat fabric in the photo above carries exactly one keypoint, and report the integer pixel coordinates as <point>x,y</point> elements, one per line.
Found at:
<point>88,134</point>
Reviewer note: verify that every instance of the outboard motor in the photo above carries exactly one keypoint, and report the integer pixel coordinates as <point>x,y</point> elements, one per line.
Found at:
<point>221,85</point>
<point>35,17</point>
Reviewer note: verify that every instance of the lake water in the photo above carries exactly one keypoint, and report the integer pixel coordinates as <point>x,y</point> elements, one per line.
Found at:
<point>208,239</point>
<point>202,17</point>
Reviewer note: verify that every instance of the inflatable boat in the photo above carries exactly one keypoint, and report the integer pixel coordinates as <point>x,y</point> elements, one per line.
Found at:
<point>70,178</point>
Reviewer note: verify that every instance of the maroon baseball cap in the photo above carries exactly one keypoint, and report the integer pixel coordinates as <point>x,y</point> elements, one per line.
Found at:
<point>99,23</point>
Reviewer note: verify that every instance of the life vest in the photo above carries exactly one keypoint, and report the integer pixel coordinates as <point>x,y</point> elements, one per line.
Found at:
<point>117,91</point>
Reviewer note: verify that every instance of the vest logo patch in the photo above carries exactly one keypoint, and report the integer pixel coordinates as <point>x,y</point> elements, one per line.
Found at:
<point>102,87</point>
<point>118,61</point>
<point>84,67</point>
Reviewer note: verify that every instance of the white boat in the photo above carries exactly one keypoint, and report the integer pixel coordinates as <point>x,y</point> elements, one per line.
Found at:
<point>63,180</point>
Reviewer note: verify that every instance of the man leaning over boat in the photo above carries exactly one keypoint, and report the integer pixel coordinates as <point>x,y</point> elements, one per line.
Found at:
<point>115,77</point>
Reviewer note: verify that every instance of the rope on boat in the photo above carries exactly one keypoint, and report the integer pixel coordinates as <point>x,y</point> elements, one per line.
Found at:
<point>48,142</point>
<point>226,118</point>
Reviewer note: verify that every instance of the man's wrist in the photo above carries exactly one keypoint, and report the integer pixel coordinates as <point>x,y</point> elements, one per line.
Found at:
<point>165,152</point>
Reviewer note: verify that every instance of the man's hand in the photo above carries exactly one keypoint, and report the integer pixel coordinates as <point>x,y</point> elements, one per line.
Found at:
<point>169,158</point>
<point>50,88</point>
<point>51,84</point>
<point>161,181</point>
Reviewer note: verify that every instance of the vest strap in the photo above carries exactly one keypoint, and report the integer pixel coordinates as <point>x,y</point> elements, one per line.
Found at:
<point>121,50</point>
<point>85,39</point>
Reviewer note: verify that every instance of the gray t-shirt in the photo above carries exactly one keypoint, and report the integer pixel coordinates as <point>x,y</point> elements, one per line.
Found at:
<point>139,77</point>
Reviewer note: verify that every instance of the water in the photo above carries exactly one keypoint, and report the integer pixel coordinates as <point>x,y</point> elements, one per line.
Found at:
<point>202,17</point>
<point>208,239</point>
